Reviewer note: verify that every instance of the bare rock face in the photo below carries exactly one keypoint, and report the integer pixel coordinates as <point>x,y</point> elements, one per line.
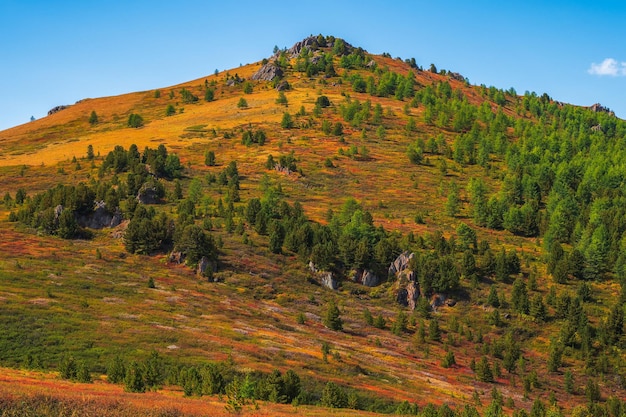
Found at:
<point>298,47</point>
<point>100,217</point>
<point>365,277</point>
<point>57,109</point>
<point>206,268</point>
<point>328,280</point>
<point>457,76</point>
<point>401,263</point>
<point>148,194</point>
<point>267,72</point>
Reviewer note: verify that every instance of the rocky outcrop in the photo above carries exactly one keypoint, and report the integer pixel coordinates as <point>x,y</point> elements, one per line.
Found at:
<point>401,263</point>
<point>599,108</point>
<point>298,47</point>
<point>456,76</point>
<point>206,267</point>
<point>365,277</point>
<point>56,109</point>
<point>99,218</point>
<point>328,280</point>
<point>149,194</point>
<point>267,72</point>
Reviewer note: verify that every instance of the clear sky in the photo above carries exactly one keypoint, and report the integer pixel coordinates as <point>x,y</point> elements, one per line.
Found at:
<point>59,51</point>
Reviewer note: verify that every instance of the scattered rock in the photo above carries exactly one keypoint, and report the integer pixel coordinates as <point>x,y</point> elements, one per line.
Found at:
<point>57,109</point>
<point>596,128</point>
<point>450,302</point>
<point>268,72</point>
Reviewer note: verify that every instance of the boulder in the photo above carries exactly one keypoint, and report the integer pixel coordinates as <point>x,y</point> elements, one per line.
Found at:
<point>268,72</point>
<point>401,263</point>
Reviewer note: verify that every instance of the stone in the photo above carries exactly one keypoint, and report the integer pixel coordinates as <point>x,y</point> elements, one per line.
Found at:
<point>206,268</point>
<point>148,194</point>
<point>412,294</point>
<point>267,72</point>
<point>401,263</point>
<point>365,277</point>
<point>57,109</point>
<point>176,257</point>
<point>100,217</point>
<point>283,85</point>
<point>298,47</point>
<point>328,280</point>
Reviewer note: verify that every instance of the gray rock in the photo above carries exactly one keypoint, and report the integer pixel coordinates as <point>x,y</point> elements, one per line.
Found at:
<point>57,109</point>
<point>206,268</point>
<point>412,294</point>
<point>401,263</point>
<point>100,217</point>
<point>267,72</point>
<point>298,47</point>
<point>177,257</point>
<point>328,280</point>
<point>148,194</point>
<point>283,85</point>
<point>365,277</point>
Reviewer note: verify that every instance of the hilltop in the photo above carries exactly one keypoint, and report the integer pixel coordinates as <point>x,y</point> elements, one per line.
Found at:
<point>393,234</point>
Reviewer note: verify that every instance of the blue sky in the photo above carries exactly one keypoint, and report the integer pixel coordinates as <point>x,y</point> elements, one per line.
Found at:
<point>58,52</point>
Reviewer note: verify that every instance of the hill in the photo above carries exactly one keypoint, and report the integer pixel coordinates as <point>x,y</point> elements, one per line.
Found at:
<point>295,181</point>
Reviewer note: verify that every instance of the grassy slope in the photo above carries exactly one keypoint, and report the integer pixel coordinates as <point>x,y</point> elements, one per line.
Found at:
<point>63,296</point>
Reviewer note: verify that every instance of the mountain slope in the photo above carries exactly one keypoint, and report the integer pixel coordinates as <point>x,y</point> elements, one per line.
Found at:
<point>91,298</point>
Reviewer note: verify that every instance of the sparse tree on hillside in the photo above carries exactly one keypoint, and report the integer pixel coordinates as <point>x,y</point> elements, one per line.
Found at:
<point>93,118</point>
<point>332,318</point>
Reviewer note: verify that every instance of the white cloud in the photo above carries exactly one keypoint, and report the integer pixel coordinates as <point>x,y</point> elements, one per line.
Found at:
<point>609,66</point>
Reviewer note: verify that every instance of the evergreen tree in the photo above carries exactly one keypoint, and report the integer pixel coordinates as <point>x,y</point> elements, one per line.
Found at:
<point>133,381</point>
<point>483,370</point>
<point>332,317</point>
<point>93,118</point>
<point>287,121</point>
<point>116,370</point>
